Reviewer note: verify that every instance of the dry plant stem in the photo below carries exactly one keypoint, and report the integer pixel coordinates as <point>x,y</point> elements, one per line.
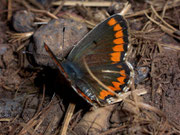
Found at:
<point>145,26</point>
<point>35,123</point>
<point>138,13</point>
<point>125,9</point>
<point>24,3</point>
<point>165,29</point>
<point>48,130</point>
<point>84,3</point>
<point>31,123</point>
<point>15,37</point>
<point>171,46</point>
<point>164,9</point>
<point>42,100</point>
<point>134,95</point>
<point>59,7</point>
<point>138,92</point>
<point>175,126</point>
<point>152,78</point>
<point>45,12</point>
<point>89,24</point>
<point>9,10</point>
<point>5,119</point>
<point>27,128</point>
<point>67,119</point>
<point>37,126</point>
<point>163,128</point>
<point>42,19</point>
<point>36,10</point>
<point>22,46</point>
<point>168,25</point>
<point>151,108</point>
<point>35,3</point>
<point>76,117</point>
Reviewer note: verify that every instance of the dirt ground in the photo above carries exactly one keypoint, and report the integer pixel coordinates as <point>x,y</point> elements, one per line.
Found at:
<point>36,99</point>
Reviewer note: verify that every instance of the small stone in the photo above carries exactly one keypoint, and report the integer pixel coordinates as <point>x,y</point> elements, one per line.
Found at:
<point>3,48</point>
<point>23,21</point>
<point>60,35</point>
<point>10,107</point>
<point>141,74</point>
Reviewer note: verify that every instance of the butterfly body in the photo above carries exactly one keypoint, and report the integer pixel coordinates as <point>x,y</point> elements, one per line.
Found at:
<point>104,50</point>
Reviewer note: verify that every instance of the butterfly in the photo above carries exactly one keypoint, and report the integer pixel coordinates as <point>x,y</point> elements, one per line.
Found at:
<point>97,67</point>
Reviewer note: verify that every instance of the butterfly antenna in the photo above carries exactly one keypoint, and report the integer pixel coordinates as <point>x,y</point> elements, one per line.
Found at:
<point>96,79</point>
<point>53,57</point>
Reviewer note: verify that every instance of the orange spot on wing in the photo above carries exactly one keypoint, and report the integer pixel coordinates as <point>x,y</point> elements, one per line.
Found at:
<point>121,79</point>
<point>112,21</point>
<point>122,72</point>
<point>118,41</point>
<point>113,88</point>
<point>118,48</point>
<point>119,34</point>
<point>115,56</point>
<point>116,85</point>
<point>104,94</point>
<point>117,27</point>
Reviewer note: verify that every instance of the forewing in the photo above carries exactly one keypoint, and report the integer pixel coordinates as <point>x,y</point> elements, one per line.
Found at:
<point>104,49</point>
<point>107,40</point>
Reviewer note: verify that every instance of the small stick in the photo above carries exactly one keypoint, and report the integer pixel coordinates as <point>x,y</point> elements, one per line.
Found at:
<point>41,20</point>
<point>24,3</point>
<point>45,12</point>
<point>89,24</point>
<point>165,29</point>
<point>170,46</point>
<point>125,9</point>
<point>59,7</point>
<point>5,119</point>
<point>22,45</point>
<point>139,13</point>
<point>138,92</point>
<point>9,10</point>
<point>67,118</point>
<point>164,9</point>
<point>84,3</point>
<point>42,100</point>
<point>14,37</point>
<point>35,3</point>
<point>162,19</point>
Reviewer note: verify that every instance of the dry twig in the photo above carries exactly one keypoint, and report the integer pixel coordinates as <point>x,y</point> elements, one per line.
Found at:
<point>170,46</point>
<point>85,3</point>
<point>67,119</point>
<point>34,122</point>
<point>36,10</point>
<point>15,37</point>
<point>59,7</point>
<point>139,13</point>
<point>168,25</point>
<point>9,10</point>
<point>164,28</point>
<point>89,23</point>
